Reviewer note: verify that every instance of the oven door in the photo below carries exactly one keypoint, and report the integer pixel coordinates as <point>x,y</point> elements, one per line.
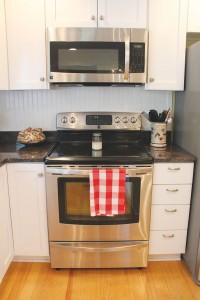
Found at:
<point>68,206</point>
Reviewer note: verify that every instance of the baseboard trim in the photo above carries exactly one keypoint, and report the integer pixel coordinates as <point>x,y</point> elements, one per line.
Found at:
<point>31,259</point>
<point>163,257</point>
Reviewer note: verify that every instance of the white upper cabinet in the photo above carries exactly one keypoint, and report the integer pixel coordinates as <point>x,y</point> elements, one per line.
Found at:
<point>93,13</point>
<point>6,248</point>
<point>4,85</point>
<point>122,14</point>
<point>71,13</point>
<point>26,44</point>
<point>193,16</point>
<point>167,40</point>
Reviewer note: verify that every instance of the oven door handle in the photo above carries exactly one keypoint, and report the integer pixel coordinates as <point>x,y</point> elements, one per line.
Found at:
<point>131,172</point>
<point>93,248</point>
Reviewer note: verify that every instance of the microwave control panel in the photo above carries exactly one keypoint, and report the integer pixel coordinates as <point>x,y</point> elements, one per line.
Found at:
<point>137,57</point>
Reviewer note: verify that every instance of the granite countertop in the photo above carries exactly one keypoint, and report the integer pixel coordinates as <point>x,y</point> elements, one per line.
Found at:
<point>13,152</point>
<point>170,153</point>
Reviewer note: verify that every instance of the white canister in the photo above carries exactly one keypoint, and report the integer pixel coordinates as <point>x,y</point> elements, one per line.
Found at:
<point>158,134</point>
<point>96,141</point>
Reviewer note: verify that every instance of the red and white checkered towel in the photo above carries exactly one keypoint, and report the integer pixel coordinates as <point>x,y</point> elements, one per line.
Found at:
<point>107,192</point>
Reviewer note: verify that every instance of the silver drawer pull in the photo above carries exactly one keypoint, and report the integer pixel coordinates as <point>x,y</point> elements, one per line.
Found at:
<point>172,190</point>
<point>173,169</point>
<point>168,236</point>
<point>170,210</point>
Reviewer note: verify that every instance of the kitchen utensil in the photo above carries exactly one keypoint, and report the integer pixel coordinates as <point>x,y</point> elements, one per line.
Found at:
<point>153,115</point>
<point>167,116</point>
<point>162,116</point>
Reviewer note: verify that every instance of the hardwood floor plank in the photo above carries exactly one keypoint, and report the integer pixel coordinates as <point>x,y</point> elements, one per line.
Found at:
<point>169,280</point>
<point>51,284</point>
<point>9,280</point>
<point>31,281</point>
<point>21,274</point>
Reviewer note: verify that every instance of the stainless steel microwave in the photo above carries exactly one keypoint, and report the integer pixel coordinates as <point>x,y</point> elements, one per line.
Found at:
<point>97,56</point>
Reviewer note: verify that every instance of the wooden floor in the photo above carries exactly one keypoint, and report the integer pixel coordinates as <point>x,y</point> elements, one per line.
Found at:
<point>161,280</point>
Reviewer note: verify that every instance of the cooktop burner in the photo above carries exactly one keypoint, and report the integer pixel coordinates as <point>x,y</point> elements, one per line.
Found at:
<point>120,135</point>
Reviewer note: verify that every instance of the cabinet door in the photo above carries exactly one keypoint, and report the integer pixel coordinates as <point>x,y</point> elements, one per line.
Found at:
<point>6,248</point>
<point>71,13</point>
<point>124,14</point>
<point>26,44</point>
<point>193,16</point>
<point>4,85</point>
<point>28,209</point>
<point>167,39</point>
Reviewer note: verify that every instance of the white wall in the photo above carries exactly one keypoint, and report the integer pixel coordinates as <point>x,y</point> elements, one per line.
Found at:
<point>21,109</point>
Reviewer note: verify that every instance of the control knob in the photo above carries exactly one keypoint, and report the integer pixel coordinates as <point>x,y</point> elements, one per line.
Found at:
<point>117,120</point>
<point>64,120</point>
<point>72,120</point>
<point>133,120</point>
<point>125,120</point>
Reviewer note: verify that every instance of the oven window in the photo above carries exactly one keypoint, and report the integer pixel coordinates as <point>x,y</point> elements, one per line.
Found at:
<point>87,57</point>
<point>74,203</point>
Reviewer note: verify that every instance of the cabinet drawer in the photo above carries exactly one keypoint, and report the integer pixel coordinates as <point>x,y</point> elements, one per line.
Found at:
<point>171,194</point>
<point>169,217</point>
<point>167,242</point>
<point>173,173</point>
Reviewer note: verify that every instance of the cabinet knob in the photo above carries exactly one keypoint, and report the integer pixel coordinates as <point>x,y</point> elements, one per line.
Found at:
<point>92,17</point>
<point>42,78</point>
<point>151,79</point>
<point>101,18</point>
<point>40,174</point>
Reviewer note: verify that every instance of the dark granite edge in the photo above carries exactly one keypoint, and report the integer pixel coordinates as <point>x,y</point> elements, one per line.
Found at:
<point>172,153</point>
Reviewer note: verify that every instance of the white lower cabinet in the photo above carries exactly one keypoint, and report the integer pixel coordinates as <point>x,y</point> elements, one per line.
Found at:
<point>6,247</point>
<point>172,185</point>
<point>28,209</point>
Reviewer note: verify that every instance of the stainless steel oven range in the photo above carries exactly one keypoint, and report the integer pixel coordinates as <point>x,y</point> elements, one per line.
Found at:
<point>76,239</point>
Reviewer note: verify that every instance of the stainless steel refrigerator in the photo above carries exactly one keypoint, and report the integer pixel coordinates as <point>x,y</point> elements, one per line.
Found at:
<point>187,135</point>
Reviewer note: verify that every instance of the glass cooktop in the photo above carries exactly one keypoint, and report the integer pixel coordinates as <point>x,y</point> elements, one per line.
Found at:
<point>115,153</point>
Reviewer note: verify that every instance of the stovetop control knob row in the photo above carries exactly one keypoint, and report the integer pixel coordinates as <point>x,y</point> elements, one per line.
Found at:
<point>125,120</point>
<point>71,120</point>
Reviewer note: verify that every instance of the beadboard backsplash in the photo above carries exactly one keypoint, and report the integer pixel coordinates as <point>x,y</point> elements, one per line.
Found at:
<point>21,109</point>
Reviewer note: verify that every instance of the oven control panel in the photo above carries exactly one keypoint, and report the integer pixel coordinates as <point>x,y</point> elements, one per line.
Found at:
<point>98,120</point>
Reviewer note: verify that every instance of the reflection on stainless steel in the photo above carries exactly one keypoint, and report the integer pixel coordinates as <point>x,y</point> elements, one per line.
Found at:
<point>96,153</point>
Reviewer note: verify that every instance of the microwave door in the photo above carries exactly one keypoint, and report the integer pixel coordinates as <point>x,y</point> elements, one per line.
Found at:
<point>89,61</point>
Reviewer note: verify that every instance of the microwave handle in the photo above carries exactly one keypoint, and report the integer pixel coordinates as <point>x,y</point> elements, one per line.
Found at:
<point>127,59</point>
